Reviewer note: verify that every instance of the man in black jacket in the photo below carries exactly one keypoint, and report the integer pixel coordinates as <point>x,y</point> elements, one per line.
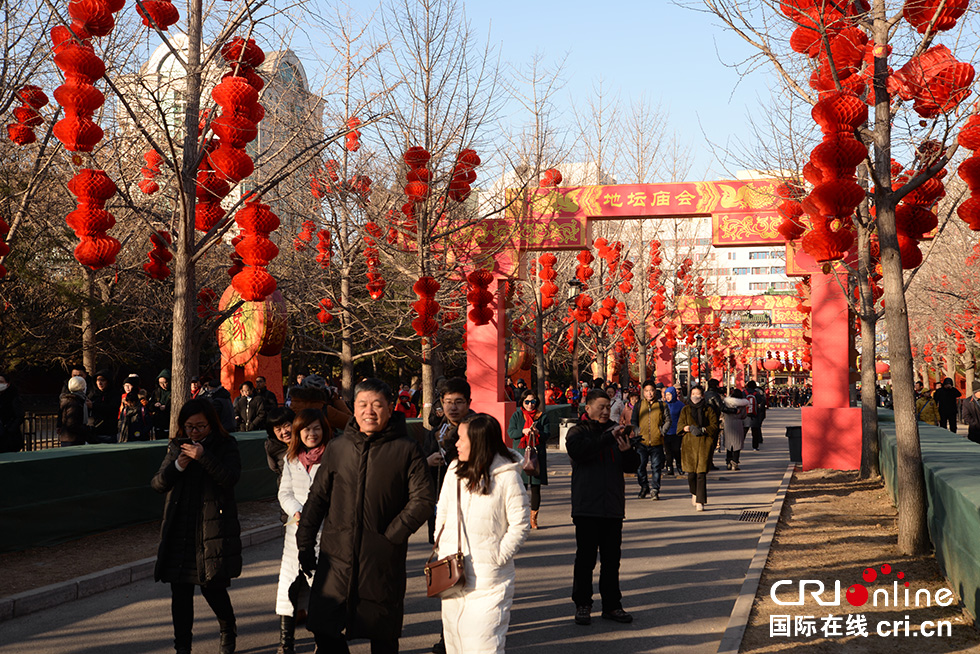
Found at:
<point>600,454</point>
<point>371,493</point>
<point>946,397</point>
<point>249,409</point>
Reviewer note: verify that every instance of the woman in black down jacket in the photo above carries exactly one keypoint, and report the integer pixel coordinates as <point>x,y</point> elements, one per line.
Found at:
<point>200,542</point>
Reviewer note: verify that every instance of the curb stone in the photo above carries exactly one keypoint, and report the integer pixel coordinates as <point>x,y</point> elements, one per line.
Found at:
<point>731,640</point>
<point>46,597</point>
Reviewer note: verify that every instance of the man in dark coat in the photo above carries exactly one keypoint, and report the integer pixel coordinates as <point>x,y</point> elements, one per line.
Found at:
<point>105,409</point>
<point>371,493</point>
<point>249,409</point>
<point>220,399</point>
<point>946,397</point>
<point>600,454</point>
<point>160,406</point>
<point>970,413</point>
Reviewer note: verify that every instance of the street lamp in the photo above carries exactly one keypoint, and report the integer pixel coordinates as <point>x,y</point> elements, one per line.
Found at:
<point>575,288</point>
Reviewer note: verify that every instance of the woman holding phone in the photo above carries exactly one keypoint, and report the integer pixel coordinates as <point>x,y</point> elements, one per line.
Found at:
<point>528,427</point>
<point>309,438</point>
<point>200,543</point>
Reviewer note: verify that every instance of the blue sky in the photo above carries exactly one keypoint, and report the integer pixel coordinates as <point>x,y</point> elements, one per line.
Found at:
<point>674,55</point>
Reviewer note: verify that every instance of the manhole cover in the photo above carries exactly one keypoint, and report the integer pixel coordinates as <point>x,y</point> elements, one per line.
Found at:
<point>753,516</point>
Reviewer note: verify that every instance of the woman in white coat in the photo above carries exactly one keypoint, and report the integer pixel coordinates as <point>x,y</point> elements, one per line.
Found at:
<point>310,434</point>
<point>734,413</point>
<point>495,522</point>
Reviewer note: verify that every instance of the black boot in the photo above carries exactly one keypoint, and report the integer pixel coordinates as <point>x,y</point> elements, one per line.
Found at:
<point>287,635</point>
<point>229,636</point>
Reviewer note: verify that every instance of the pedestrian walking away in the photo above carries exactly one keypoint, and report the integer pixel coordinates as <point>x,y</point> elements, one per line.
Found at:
<point>529,428</point>
<point>600,454</point>
<point>946,399</point>
<point>483,508</point>
<point>200,540</point>
<point>970,413</point>
<point>733,420</point>
<point>371,493</point>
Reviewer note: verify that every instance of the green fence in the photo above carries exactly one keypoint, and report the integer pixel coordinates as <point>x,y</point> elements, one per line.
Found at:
<point>55,495</point>
<point>952,474</point>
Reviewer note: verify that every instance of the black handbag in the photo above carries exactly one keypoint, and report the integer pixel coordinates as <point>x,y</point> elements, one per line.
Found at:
<point>447,573</point>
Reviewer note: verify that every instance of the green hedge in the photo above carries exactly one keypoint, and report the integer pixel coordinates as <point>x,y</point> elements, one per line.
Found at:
<point>951,464</point>
<point>51,496</point>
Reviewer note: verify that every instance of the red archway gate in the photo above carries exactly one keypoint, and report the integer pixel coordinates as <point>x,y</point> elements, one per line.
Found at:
<point>743,213</point>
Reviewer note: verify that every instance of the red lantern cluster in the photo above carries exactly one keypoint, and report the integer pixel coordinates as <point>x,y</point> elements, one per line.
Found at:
<point>426,308</point>
<point>920,13</point>
<point>551,178</point>
<point>243,56</point>
<point>418,177</point>
<point>836,192</point>
<point>227,162</point>
<point>326,304</point>
<point>256,222</point>
<point>582,311</point>
<point>376,283</point>
<point>791,210</point>
<point>160,14</point>
<point>91,221</point>
<point>320,186</point>
<point>969,172</point>
<point>150,171</point>
<point>160,255</point>
<point>670,337</point>
<point>935,80</point>
<point>914,217</point>
<point>324,249</point>
<point>583,272</point>
<point>626,277</point>
<point>353,143</point>
<point>32,98</point>
<point>548,275</point>
<point>81,67</point>
<point>304,237</point>
<point>464,174</point>
<point>604,312</point>
<point>207,303</point>
<point>480,297</point>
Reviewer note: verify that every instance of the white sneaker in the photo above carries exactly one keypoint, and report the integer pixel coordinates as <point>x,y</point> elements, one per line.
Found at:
<point>698,506</point>
<point>694,500</point>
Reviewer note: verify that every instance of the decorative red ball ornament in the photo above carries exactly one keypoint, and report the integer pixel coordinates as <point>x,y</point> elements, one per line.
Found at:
<point>90,220</point>
<point>160,14</point>
<point>326,304</point>
<point>551,178</point>
<point>353,143</point>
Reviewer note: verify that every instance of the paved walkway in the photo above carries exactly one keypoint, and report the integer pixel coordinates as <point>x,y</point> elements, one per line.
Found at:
<point>680,575</point>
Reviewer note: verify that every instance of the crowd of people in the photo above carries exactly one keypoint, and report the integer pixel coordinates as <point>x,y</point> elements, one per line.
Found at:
<point>353,486</point>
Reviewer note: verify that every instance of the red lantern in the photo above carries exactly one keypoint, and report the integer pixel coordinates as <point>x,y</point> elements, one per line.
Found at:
<point>156,267</point>
<point>160,14</point>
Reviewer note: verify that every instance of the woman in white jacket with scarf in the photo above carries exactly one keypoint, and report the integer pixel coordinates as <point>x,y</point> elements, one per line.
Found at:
<point>495,522</point>
<point>310,433</point>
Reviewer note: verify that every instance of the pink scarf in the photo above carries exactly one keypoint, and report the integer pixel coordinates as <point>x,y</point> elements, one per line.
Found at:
<point>310,458</point>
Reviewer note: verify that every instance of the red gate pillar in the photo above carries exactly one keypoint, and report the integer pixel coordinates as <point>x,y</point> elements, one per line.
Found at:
<point>831,427</point>
<point>486,361</point>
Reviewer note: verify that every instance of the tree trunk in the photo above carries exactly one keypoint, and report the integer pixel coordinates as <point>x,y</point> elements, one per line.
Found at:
<point>346,340</point>
<point>89,347</point>
<point>969,370</point>
<point>428,380</point>
<point>913,536</point>
<point>869,387</point>
<point>185,286</point>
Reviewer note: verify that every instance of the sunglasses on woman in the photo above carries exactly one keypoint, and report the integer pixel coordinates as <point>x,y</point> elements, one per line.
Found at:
<point>531,402</point>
